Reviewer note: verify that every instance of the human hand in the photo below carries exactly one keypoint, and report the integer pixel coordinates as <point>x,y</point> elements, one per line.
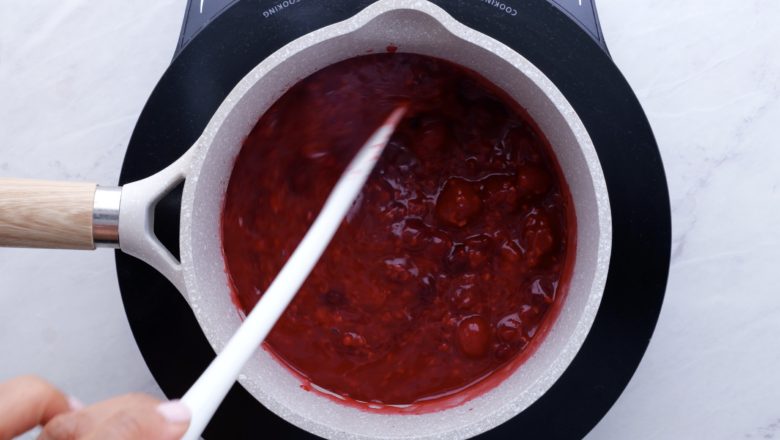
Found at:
<point>28,401</point>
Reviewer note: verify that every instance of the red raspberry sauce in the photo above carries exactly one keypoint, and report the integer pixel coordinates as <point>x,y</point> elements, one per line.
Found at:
<point>450,260</point>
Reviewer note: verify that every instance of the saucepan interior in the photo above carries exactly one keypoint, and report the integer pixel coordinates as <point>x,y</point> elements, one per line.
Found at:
<point>422,28</point>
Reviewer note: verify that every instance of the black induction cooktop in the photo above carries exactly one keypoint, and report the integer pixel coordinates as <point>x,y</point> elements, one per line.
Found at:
<point>222,40</point>
<point>200,13</point>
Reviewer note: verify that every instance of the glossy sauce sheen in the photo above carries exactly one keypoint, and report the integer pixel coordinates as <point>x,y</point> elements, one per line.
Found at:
<point>452,255</point>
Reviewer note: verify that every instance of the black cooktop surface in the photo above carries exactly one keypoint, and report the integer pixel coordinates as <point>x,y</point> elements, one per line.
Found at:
<point>200,13</point>
<point>563,39</point>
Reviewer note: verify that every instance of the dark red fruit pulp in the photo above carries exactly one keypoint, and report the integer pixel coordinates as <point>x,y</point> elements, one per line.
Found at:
<point>453,254</point>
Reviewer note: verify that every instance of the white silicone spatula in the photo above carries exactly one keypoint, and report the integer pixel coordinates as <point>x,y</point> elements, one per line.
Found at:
<point>208,391</point>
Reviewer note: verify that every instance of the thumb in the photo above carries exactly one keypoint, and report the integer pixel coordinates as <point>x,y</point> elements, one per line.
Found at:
<point>178,417</point>
<point>168,421</point>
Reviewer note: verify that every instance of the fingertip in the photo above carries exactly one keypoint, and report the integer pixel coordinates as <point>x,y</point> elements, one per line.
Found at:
<point>75,404</point>
<point>175,431</point>
<point>178,416</point>
<point>175,411</point>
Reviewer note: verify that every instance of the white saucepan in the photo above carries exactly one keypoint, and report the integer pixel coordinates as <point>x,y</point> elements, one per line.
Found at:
<point>85,216</point>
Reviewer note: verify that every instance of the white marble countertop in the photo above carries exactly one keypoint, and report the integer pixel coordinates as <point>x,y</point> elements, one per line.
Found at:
<point>75,74</point>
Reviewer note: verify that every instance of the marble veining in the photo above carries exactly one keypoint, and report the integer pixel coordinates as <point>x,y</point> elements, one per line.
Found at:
<point>708,75</point>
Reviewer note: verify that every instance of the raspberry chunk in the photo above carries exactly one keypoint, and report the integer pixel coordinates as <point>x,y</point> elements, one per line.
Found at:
<point>462,294</point>
<point>474,336</point>
<point>458,203</point>
<point>510,328</point>
<point>533,180</point>
<point>412,234</point>
<point>478,249</point>
<point>538,236</point>
<point>400,269</point>
<point>439,244</point>
<point>500,194</point>
<point>458,259</point>
<point>511,255</point>
<point>353,340</point>
<point>430,138</point>
<point>427,289</point>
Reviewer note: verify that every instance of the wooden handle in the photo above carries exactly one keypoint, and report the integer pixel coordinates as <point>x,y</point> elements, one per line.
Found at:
<point>46,214</point>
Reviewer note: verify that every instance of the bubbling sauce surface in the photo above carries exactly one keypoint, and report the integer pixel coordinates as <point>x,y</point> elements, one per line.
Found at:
<point>451,258</point>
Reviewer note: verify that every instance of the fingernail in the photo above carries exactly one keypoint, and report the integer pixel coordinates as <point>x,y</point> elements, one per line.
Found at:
<point>75,404</point>
<point>174,411</point>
